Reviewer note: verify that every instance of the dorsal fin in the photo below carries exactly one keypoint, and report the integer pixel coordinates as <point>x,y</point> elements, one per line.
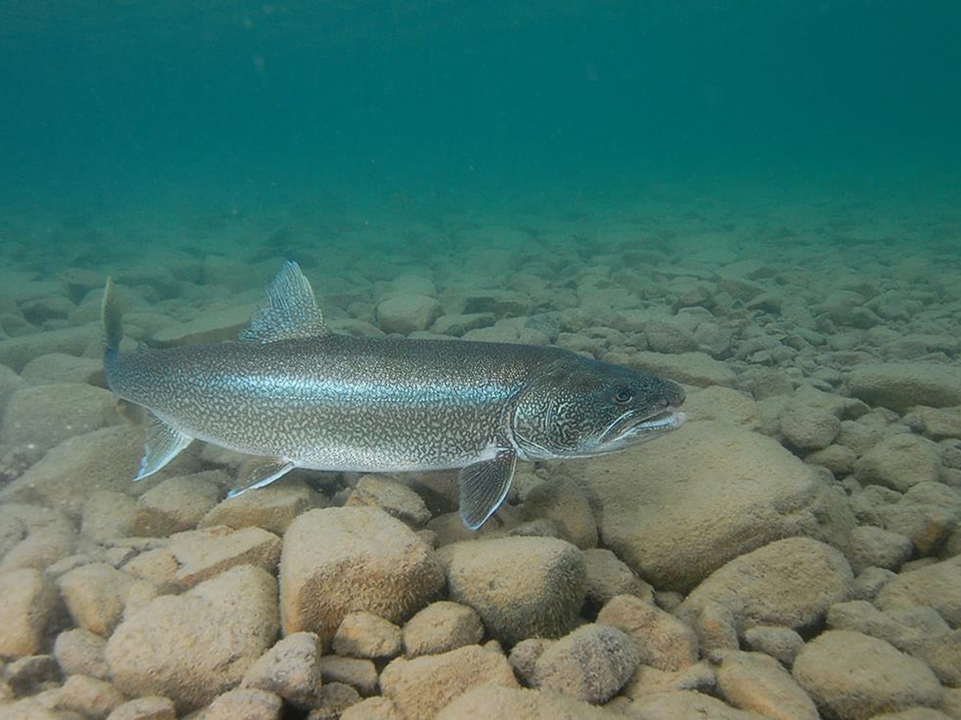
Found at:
<point>291,311</point>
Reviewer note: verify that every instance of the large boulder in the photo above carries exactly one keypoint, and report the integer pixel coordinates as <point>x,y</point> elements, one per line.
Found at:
<point>422,686</point>
<point>938,586</point>
<point>195,646</point>
<point>27,604</point>
<point>900,386</point>
<point>852,676</point>
<point>340,560</point>
<point>407,313</point>
<point>520,586</point>
<point>678,509</point>
<point>106,459</point>
<point>40,417</point>
<point>790,582</point>
<point>488,701</point>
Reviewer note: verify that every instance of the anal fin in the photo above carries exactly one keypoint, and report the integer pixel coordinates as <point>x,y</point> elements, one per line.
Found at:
<point>484,485</point>
<point>162,443</point>
<point>258,472</point>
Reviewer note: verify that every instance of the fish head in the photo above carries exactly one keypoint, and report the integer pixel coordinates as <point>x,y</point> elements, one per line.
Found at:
<point>580,407</point>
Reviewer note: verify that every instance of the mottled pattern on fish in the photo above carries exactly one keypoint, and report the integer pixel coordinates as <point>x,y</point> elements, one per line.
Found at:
<point>337,402</point>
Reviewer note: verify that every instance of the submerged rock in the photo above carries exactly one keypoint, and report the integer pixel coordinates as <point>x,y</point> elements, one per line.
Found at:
<point>27,606</point>
<point>850,675</point>
<point>423,686</point>
<point>790,582</point>
<point>520,587</point>
<point>340,560</point>
<point>590,664</point>
<point>677,510</point>
<point>194,646</point>
<point>900,386</point>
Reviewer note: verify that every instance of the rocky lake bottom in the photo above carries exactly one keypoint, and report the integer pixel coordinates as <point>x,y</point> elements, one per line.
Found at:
<point>792,552</point>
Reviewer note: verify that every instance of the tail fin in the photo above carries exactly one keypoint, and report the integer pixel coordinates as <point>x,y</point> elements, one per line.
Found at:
<point>110,319</point>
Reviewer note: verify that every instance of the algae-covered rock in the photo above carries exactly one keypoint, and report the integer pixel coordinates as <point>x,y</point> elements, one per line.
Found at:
<point>852,676</point>
<point>341,560</point>
<point>678,509</point>
<point>194,646</point>
<point>590,664</point>
<point>520,587</point>
<point>423,686</point>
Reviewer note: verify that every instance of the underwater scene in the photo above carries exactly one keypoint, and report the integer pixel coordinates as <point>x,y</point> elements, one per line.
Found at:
<point>415,359</point>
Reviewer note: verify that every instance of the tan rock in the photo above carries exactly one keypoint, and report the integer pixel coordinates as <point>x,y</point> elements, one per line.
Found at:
<point>520,587</point>
<point>907,629</point>
<point>687,704</point>
<point>40,417</point>
<point>202,554</point>
<point>74,470</point>
<point>754,681</point>
<point>608,577</point>
<point>943,655</point>
<point>272,508</point>
<point>851,675</point>
<point>407,312</point>
<point>590,664</point>
<point>441,627</point>
<point>145,708</point>
<point>63,368</point>
<point>38,550</point>
<point>781,643</point>
<point>212,326</point>
<point>648,680</point>
<point>711,492</point>
<point>373,708</point>
<point>524,655</point>
<point>244,704</point>
<point>660,639</point>
<point>937,586</point>
<point>690,368</point>
<point>89,697</point>
<point>178,503</point>
<point>81,652</point>
<point>27,607</point>
<point>421,687</point>
<point>391,496</point>
<point>899,462</point>
<point>900,386</point>
<point>194,646</point>
<point>158,566</point>
<point>876,547</point>
<point>290,669</point>
<point>563,502</point>
<point>789,582</point>
<point>482,703</point>
<point>108,515</point>
<point>95,595</point>
<point>335,698</point>
<point>365,635</point>
<point>725,405</point>
<point>360,674</point>
<point>16,352</point>
<point>340,560</point>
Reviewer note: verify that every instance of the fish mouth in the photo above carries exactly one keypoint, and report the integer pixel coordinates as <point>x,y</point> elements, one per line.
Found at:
<point>632,427</point>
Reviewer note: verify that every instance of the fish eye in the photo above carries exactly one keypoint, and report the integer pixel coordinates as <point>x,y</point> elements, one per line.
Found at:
<point>623,396</point>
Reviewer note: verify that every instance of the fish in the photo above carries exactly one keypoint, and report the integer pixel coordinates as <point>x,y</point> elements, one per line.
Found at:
<point>291,393</point>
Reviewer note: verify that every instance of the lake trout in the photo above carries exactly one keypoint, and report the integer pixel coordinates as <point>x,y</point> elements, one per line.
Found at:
<point>293,394</point>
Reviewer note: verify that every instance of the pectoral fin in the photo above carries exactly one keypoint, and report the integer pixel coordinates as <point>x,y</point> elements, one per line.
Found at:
<point>258,472</point>
<point>162,443</point>
<point>484,485</point>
